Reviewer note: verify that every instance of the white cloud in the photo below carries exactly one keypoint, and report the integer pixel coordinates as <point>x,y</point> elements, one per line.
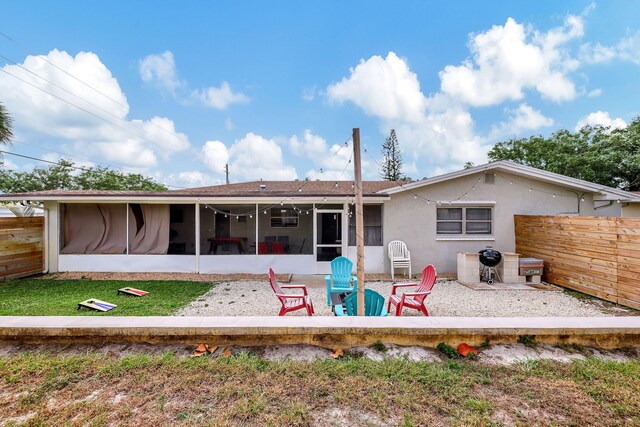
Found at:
<point>219,97</point>
<point>435,129</point>
<point>215,155</point>
<point>310,145</point>
<point>191,179</point>
<point>254,157</point>
<point>161,70</point>
<point>309,93</point>
<point>601,118</point>
<point>6,163</point>
<point>627,49</point>
<point>100,126</point>
<point>437,132</point>
<point>382,87</point>
<point>508,59</point>
<point>523,118</point>
<point>595,93</point>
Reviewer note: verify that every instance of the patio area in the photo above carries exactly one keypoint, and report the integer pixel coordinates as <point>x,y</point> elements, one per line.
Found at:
<point>448,299</point>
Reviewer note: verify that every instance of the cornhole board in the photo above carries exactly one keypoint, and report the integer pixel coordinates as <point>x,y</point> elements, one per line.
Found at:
<point>132,291</point>
<point>96,304</point>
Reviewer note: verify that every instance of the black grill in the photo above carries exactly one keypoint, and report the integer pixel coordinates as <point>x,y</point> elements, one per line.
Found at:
<point>490,257</point>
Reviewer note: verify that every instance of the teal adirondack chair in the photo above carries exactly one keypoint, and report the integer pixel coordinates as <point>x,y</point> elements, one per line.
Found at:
<point>373,305</point>
<point>340,279</point>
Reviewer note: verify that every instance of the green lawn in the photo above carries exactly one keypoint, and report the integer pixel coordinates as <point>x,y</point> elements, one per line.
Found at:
<point>40,388</point>
<point>61,297</point>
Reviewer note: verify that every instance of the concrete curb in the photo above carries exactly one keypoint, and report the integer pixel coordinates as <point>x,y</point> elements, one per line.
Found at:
<point>329,332</point>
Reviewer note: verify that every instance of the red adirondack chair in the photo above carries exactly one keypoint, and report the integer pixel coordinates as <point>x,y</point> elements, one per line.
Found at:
<point>415,299</point>
<point>290,302</point>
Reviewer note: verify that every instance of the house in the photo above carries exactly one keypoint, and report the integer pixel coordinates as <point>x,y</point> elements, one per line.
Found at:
<point>300,226</point>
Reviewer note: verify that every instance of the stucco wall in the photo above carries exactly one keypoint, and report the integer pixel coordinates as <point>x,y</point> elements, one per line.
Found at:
<point>631,210</point>
<point>604,208</point>
<point>414,220</point>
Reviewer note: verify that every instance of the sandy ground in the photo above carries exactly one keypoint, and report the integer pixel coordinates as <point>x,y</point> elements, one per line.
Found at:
<point>449,298</point>
<point>500,354</point>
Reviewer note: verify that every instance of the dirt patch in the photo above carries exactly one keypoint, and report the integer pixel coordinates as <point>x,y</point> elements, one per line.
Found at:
<point>351,417</point>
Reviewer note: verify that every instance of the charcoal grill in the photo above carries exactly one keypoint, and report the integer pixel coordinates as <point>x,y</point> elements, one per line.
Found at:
<point>489,258</point>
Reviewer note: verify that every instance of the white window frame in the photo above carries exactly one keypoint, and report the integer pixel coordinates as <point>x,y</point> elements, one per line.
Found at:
<point>463,234</point>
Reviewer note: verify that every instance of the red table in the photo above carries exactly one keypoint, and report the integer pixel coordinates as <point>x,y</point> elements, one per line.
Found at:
<point>216,241</point>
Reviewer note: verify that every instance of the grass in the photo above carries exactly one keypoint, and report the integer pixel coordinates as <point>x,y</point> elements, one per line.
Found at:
<point>89,388</point>
<point>61,297</point>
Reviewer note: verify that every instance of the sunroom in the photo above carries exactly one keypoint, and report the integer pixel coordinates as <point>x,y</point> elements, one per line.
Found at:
<point>210,236</point>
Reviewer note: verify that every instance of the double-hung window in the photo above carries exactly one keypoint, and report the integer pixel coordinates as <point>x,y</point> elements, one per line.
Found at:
<point>464,221</point>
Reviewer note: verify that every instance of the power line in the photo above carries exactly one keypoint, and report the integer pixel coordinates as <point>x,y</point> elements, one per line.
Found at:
<point>64,71</point>
<point>79,97</point>
<point>81,108</point>
<point>43,160</point>
<point>65,165</point>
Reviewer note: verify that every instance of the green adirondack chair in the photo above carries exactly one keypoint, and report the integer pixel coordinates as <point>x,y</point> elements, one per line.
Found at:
<point>373,304</point>
<point>340,279</point>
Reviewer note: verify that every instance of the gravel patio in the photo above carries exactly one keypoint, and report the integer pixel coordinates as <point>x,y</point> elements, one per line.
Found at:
<point>449,298</point>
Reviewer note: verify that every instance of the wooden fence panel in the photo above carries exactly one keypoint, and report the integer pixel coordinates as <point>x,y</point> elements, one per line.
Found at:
<point>21,247</point>
<point>594,255</point>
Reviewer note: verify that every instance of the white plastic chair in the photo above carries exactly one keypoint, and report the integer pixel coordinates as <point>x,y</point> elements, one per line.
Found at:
<point>400,256</point>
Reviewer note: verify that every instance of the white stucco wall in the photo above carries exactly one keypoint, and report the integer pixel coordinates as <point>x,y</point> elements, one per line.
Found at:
<point>630,210</point>
<point>414,220</point>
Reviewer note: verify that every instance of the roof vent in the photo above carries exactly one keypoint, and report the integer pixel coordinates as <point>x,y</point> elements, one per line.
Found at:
<point>263,187</point>
<point>489,178</point>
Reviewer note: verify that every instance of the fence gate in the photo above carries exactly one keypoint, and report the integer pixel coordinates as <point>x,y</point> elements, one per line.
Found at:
<point>598,256</point>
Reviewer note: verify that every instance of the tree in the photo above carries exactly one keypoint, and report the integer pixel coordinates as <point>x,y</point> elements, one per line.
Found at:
<point>391,167</point>
<point>5,125</point>
<point>596,154</point>
<point>65,176</point>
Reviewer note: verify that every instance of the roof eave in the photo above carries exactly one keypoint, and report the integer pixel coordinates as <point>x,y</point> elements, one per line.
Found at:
<point>522,170</point>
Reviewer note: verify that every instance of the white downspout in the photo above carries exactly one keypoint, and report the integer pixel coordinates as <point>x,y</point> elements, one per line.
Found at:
<point>45,240</point>
<point>197,236</point>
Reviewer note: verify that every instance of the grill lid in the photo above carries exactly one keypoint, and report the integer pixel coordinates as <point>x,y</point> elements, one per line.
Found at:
<point>490,257</point>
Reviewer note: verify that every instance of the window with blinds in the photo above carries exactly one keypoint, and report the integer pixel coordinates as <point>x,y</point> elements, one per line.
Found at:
<point>464,221</point>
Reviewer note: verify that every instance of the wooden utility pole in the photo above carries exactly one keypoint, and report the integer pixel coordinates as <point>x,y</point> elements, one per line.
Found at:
<point>226,172</point>
<point>359,220</point>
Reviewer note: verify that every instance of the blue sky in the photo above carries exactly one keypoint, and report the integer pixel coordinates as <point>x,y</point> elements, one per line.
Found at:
<point>176,90</point>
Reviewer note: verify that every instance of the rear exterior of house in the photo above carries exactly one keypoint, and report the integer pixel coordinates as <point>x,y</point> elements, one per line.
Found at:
<point>300,226</point>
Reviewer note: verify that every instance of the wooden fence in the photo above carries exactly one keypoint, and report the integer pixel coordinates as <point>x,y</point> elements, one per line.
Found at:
<point>598,256</point>
<point>21,251</point>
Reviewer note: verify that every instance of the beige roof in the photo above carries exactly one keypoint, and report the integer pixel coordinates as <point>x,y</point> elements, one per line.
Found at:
<point>243,189</point>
